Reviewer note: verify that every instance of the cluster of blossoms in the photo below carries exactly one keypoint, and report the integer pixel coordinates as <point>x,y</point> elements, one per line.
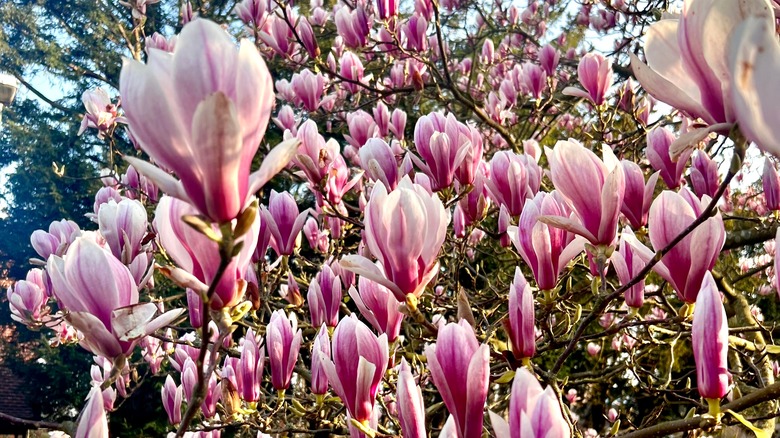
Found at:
<point>416,224</point>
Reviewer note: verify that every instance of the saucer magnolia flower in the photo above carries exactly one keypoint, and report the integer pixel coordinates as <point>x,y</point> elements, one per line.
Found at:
<point>638,196</point>
<point>685,265</point>
<point>405,230</point>
<point>198,257</point>
<point>595,75</point>
<point>443,142</point>
<point>704,175</point>
<point>201,113</point>
<point>249,368</point>
<point>593,187</point>
<point>754,60</point>
<point>460,369</point>
<point>710,337</point>
<point>378,306</point>
<point>546,249</point>
<point>659,143</point>
<point>411,407</point>
<point>627,265</point>
<point>533,412</point>
<point>284,221</point>
<point>359,362</point>
<point>101,299</point>
<point>687,57</point>
<point>771,184</point>
<point>283,340</point>
<point>92,421</point>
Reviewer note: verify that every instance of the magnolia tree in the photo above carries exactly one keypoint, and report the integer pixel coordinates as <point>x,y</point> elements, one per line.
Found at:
<point>504,233</point>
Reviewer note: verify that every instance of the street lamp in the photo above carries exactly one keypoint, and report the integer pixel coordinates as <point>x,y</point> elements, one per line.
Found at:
<point>8,87</point>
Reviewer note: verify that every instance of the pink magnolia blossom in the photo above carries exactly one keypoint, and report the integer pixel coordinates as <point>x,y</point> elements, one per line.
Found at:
<point>353,25</point>
<point>378,306</point>
<point>93,422</point>
<point>513,179</point>
<point>460,369</point>
<point>659,143</point>
<point>638,195</point>
<point>249,368</point>
<point>411,407</point>
<point>545,249</point>
<point>320,347</point>
<point>704,175</point>
<point>771,185</point>
<point>405,230</point>
<point>687,57</point>
<point>627,265</point>
<point>684,265</point>
<point>324,298</point>
<point>533,412</point>
<point>101,113</point>
<point>595,75</point>
<point>754,59</point>
<point>201,113</point>
<point>172,396</point>
<point>284,221</point>
<point>57,240</point>
<point>309,88</point>
<point>359,361</point>
<point>198,257</point>
<point>443,142</point>
<point>101,298</point>
<point>521,324</point>
<point>593,187</point>
<point>379,162</point>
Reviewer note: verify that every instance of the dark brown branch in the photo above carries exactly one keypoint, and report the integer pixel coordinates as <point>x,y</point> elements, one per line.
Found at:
<point>33,423</point>
<point>43,97</point>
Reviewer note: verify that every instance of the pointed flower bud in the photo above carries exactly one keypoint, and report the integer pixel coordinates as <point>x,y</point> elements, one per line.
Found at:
<point>283,340</point>
<point>321,347</point>
<point>771,184</point>
<point>92,421</point>
<point>411,408</point>
<point>284,221</point>
<point>249,368</point>
<point>172,397</point>
<point>710,338</point>
<point>704,175</point>
<point>627,265</point>
<point>324,298</point>
<point>521,325</point>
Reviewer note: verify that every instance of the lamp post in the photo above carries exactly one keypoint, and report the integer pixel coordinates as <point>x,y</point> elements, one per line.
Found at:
<point>8,87</point>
